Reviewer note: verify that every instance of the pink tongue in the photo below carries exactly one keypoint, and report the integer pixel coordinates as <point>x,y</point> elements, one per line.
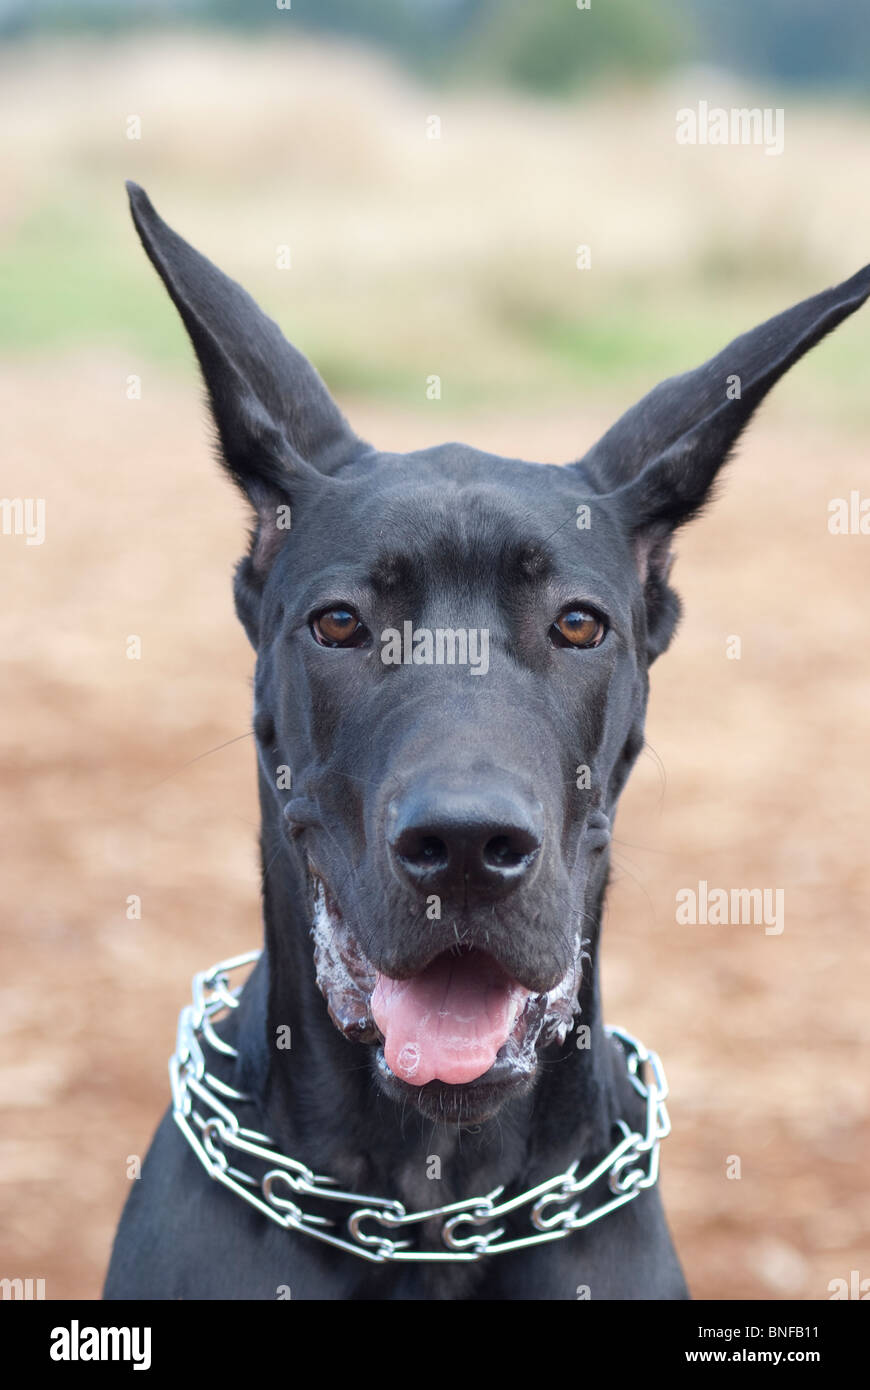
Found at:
<point>449,1022</point>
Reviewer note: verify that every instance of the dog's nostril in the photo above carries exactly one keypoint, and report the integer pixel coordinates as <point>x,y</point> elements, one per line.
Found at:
<point>428,852</point>
<point>502,853</point>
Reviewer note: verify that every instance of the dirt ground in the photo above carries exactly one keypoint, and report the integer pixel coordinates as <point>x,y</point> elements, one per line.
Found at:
<point>756,776</point>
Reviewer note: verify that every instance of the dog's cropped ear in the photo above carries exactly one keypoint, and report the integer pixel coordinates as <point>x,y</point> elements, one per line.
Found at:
<point>661,458</point>
<point>275,419</point>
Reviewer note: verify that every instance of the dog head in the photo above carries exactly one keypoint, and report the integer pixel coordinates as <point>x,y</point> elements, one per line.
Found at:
<point>452,674</point>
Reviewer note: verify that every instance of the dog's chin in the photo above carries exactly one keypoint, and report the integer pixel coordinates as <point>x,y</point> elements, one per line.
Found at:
<point>471,1103</point>
<point>351,985</point>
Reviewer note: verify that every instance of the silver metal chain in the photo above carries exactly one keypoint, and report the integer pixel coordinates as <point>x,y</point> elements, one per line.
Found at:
<point>201,1109</point>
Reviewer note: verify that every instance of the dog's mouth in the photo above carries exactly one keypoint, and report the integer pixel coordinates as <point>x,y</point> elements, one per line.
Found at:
<point>462,1025</point>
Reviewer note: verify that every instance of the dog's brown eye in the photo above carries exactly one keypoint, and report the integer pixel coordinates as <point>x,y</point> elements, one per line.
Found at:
<point>339,627</point>
<point>578,628</point>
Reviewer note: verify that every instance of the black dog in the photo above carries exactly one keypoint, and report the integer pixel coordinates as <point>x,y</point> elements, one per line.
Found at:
<point>451,683</point>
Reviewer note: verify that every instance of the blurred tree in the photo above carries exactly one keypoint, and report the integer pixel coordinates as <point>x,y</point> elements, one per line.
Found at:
<point>801,42</point>
<point>552,44</point>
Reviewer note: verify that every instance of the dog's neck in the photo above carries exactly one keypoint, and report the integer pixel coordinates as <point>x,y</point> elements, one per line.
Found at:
<point>320,1102</point>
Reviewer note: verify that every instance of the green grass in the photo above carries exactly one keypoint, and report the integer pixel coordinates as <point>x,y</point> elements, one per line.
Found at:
<point>67,286</point>
<point>73,283</point>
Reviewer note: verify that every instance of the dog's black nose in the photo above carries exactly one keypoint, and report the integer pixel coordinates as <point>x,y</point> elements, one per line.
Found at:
<point>463,843</point>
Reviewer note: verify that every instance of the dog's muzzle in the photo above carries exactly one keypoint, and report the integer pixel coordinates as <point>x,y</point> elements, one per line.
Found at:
<point>460,1021</point>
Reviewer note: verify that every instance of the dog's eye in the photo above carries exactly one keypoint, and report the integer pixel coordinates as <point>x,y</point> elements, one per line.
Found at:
<point>339,627</point>
<point>577,627</point>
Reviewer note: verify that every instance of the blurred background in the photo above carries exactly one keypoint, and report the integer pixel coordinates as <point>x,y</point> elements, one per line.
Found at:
<point>490,192</point>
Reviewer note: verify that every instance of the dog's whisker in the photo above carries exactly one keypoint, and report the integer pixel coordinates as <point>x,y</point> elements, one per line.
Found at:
<point>643,849</point>
<point>650,752</point>
<point>622,868</point>
<point>199,757</point>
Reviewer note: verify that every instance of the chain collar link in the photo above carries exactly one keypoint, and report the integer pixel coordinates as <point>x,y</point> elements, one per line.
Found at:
<point>201,1109</point>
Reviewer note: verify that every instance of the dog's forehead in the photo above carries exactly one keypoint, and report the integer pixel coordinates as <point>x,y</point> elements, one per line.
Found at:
<point>453,501</point>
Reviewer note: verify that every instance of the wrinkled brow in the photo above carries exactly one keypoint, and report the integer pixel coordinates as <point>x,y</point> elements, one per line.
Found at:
<point>521,560</point>
<point>392,570</point>
<point>528,560</point>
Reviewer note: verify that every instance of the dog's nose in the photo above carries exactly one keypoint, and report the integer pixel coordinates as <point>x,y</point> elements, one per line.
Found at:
<point>464,843</point>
